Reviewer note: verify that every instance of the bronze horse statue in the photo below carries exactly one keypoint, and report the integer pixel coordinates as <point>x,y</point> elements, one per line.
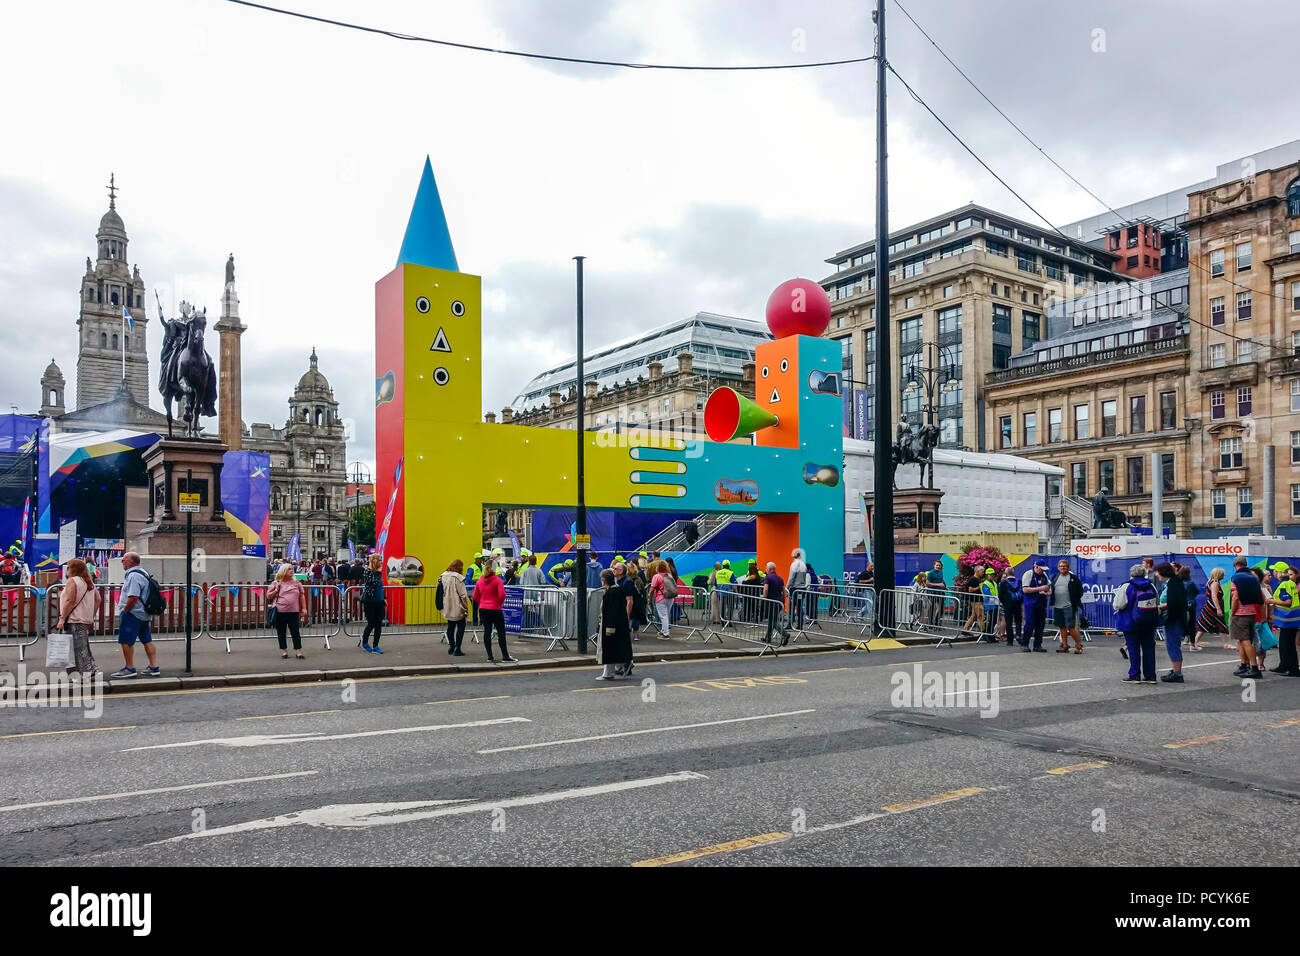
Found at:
<point>187,373</point>
<point>915,448</point>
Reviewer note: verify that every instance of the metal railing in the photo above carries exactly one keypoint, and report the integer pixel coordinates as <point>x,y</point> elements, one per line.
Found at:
<point>753,619</point>
<point>168,626</point>
<point>20,617</point>
<point>407,610</point>
<point>946,614</point>
<point>688,599</point>
<point>549,613</point>
<point>237,612</point>
<point>833,605</point>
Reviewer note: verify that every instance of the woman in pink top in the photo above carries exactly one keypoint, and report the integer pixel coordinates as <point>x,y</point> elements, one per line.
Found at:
<point>490,595</point>
<point>289,599</point>
<point>663,603</point>
<point>78,605</point>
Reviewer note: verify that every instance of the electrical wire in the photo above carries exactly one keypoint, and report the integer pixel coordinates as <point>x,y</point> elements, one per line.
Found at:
<point>546,56</point>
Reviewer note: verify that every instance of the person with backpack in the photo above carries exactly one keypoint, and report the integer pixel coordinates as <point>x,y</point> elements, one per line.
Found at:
<point>1012,601</point>
<point>11,572</point>
<point>663,591</point>
<point>453,601</point>
<point>1137,612</point>
<point>140,597</point>
<point>287,599</point>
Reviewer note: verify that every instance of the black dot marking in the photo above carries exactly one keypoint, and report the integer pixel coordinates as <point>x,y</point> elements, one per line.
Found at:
<point>458,308</point>
<point>785,365</point>
<point>441,375</point>
<point>421,304</point>
<point>764,371</point>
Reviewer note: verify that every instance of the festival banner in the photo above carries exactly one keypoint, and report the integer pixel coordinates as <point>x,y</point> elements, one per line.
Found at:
<point>246,498</point>
<point>382,540</point>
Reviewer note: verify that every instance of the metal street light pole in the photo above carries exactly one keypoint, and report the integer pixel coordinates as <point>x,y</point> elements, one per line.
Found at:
<point>580,565</point>
<point>882,525</point>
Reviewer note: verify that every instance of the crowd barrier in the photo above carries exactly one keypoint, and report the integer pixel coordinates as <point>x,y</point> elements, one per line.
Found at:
<point>20,619</point>
<point>168,626</point>
<point>236,612</point>
<point>940,612</point>
<point>841,606</point>
<point>751,618</point>
<point>688,600</point>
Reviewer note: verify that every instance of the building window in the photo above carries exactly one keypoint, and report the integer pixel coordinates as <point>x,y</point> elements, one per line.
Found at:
<point>1243,256</point>
<point>1168,410</point>
<point>318,533</point>
<point>1137,414</point>
<point>1295,448</point>
<point>319,501</point>
<point>947,292</point>
<point>1217,409</point>
<point>1031,330</point>
<point>1295,343</point>
<point>949,320</point>
<point>1295,501</point>
<point>1079,479</point>
<point>909,330</point>
<point>1053,424</point>
<point>115,341</point>
<point>1002,318</point>
<point>1245,503</point>
<point>1295,241</point>
<point>1106,474</point>
<point>1216,310</point>
<point>1216,262</point>
<point>1243,306</point>
<point>1295,394</point>
<point>1080,422</point>
<point>1293,200</point>
<point>950,432</point>
<point>277,501</point>
<point>322,461</point>
<point>1220,498</point>
<point>1134,472</point>
<point>1245,350</point>
<point>1230,453</point>
<point>277,532</point>
<point>1004,431</point>
<point>1109,412</point>
<point>1243,400</point>
<point>1167,472</point>
<point>1031,428</point>
<point>1218,356</point>
<point>1002,356</point>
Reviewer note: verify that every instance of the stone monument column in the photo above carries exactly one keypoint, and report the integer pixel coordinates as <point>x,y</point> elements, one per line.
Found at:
<point>230,427</point>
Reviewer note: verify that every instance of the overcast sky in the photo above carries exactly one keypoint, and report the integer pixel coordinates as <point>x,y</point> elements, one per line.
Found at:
<point>298,146</point>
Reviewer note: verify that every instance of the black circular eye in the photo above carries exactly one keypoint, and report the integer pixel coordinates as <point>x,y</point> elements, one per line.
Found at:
<point>785,365</point>
<point>458,308</point>
<point>441,376</point>
<point>764,371</point>
<point>422,304</point>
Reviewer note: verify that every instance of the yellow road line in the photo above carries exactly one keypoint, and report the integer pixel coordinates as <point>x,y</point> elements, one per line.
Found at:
<point>466,700</point>
<point>760,840</point>
<point>931,801</point>
<point>1287,723</point>
<point>51,733</point>
<point>304,713</point>
<point>1078,766</point>
<point>1196,740</point>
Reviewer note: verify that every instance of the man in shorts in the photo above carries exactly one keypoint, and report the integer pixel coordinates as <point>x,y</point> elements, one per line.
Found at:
<point>1246,608</point>
<point>134,622</point>
<point>1067,606</point>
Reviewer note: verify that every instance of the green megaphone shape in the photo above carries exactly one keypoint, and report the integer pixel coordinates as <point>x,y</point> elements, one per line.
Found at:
<point>728,415</point>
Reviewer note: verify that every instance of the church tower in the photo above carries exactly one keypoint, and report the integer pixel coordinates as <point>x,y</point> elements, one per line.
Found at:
<point>107,342</point>
<point>230,423</point>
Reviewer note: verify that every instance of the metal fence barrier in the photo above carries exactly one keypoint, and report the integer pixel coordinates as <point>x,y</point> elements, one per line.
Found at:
<point>20,617</point>
<point>836,606</point>
<point>407,610</point>
<point>551,613</point>
<point>236,612</point>
<point>168,626</point>
<point>943,613</point>
<point>688,602</point>
<point>753,619</point>
<point>1100,612</point>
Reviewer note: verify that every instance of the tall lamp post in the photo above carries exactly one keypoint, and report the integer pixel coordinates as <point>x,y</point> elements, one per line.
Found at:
<point>358,474</point>
<point>933,377</point>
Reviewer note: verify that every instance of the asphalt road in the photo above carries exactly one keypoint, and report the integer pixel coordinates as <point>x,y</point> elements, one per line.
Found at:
<point>807,759</point>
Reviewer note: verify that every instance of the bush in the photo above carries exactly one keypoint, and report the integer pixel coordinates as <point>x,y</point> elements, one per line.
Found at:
<point>979,556</point>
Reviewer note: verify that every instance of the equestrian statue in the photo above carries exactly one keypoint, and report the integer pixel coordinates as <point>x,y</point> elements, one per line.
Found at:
<point>914,448</point>
<point>187,373</point>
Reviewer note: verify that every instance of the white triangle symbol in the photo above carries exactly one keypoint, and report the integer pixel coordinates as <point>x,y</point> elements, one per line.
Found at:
<point>440,342</point>
<point>776,397</point>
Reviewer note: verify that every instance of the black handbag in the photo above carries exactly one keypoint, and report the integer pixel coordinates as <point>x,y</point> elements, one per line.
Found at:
<point>270,615</point>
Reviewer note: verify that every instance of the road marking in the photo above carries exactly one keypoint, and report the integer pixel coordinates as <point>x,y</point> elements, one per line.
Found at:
<point>1059,771</point>
<point>1195,740</point>
<point>305,713</point>
<point>143,793</point>
<point>1231,660</point>
<point>825,670</point>
<point>742,844</point>
<point>466,700</point>
<point>266,740</point>
<point>1046,683</point>
<point>945,660</point>
<point>50,733</point>
<point>361,815</point>
<point>735,683</point>
<point>1287,723</point>
<point>648,730</point>
<point>588,690</point>
<point>932,801</point>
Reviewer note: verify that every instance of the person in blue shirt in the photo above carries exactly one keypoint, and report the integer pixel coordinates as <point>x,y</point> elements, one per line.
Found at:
<point>1036,587</point>
<point>1137,612</point>
<point>134,622</point>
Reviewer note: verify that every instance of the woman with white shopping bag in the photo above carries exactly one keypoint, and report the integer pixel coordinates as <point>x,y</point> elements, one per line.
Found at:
<point>79,602</point>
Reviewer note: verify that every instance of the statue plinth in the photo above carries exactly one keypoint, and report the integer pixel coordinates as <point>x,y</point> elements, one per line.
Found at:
<point>916,512</point>
<point>168,462</point>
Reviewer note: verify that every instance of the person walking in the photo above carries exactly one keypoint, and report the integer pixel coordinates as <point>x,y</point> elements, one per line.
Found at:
<point>626,580</point>
<point>1012,601</point>
<point>1067,606</point>
<point>1245,607</point>
<point>1036,587</point>
<point>79,604</point>
<point>989,593</point>
<point>663,589</point>
<point>1264,620</point>
<point>133,624</point>
<point>372,602</point>
<point>975,601</point>
<point>1190,631</point>
<point>614,653</point>
<point>1137,611</point>
<point>775,591</point>
<point>1173,609</point>
<point>455,605</point>
<point>796,584</point>
<point>1286,619</point>
<point>287,600</point>
<point>490,596</point>
<point>938,588</point>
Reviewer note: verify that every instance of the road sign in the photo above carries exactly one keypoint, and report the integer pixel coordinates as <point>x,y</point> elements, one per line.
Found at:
<point>582,541</point>
<point>189,502</point>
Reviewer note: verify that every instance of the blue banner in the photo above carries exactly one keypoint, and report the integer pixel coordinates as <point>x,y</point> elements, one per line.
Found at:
<point>513,608</point>
<point>293,552</point>
<point>246,498</point>
<point>860,414</point>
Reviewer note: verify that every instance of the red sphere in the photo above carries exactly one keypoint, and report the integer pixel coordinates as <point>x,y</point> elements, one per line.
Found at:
<point>798,307</point>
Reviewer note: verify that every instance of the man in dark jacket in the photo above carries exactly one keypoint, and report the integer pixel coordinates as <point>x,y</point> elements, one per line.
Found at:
<point>1067,605</point>
<point>1173,608</point>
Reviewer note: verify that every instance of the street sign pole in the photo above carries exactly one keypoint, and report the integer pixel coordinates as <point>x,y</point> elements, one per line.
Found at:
<point>580,565</point>
<point>189,572</point>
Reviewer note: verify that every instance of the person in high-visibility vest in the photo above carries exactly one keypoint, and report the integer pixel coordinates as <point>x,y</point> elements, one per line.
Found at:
<point>989,590</point>
<point>472,575</point>
<point>727,603</point>
<point>562,574</point>
<point>1286,618</point>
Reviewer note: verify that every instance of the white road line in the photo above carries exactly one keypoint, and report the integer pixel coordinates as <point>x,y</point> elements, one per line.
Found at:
<point>144,793</point>
<point>1046,683</point>
<point>362,815</point>
<point>649,730</point>
<point>266,740</point>
<point>1231,660</point>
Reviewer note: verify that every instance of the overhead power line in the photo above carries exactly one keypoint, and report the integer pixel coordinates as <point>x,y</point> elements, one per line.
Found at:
<point>546,56</point>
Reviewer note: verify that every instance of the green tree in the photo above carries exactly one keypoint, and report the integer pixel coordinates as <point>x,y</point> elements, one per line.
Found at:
<point>361,526</point>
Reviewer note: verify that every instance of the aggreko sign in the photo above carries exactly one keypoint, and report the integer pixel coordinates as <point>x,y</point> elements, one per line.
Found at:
<point>1221,548</point>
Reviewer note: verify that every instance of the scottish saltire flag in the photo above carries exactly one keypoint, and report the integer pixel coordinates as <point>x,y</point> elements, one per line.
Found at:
<point>294,552</point>
<point>126,317</point>
<point>352,550</point>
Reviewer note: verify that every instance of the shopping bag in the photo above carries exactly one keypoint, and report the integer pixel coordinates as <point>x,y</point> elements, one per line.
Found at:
<point>58,652</point>
<point>1267,639</point>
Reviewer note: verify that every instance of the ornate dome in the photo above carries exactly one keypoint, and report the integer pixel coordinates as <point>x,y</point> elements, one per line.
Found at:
<point>312,380</point>
<point>112,224</point>
<point>52,373</point>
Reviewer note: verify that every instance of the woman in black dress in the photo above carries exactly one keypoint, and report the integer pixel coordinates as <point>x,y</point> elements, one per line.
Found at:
<point>615,648</point>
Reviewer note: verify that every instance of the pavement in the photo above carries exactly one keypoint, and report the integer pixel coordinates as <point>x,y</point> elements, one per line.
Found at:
<point>820,759</point>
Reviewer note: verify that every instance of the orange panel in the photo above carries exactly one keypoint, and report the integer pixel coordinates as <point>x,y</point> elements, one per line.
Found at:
<point>776,389</point>
<point>778,536</point>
